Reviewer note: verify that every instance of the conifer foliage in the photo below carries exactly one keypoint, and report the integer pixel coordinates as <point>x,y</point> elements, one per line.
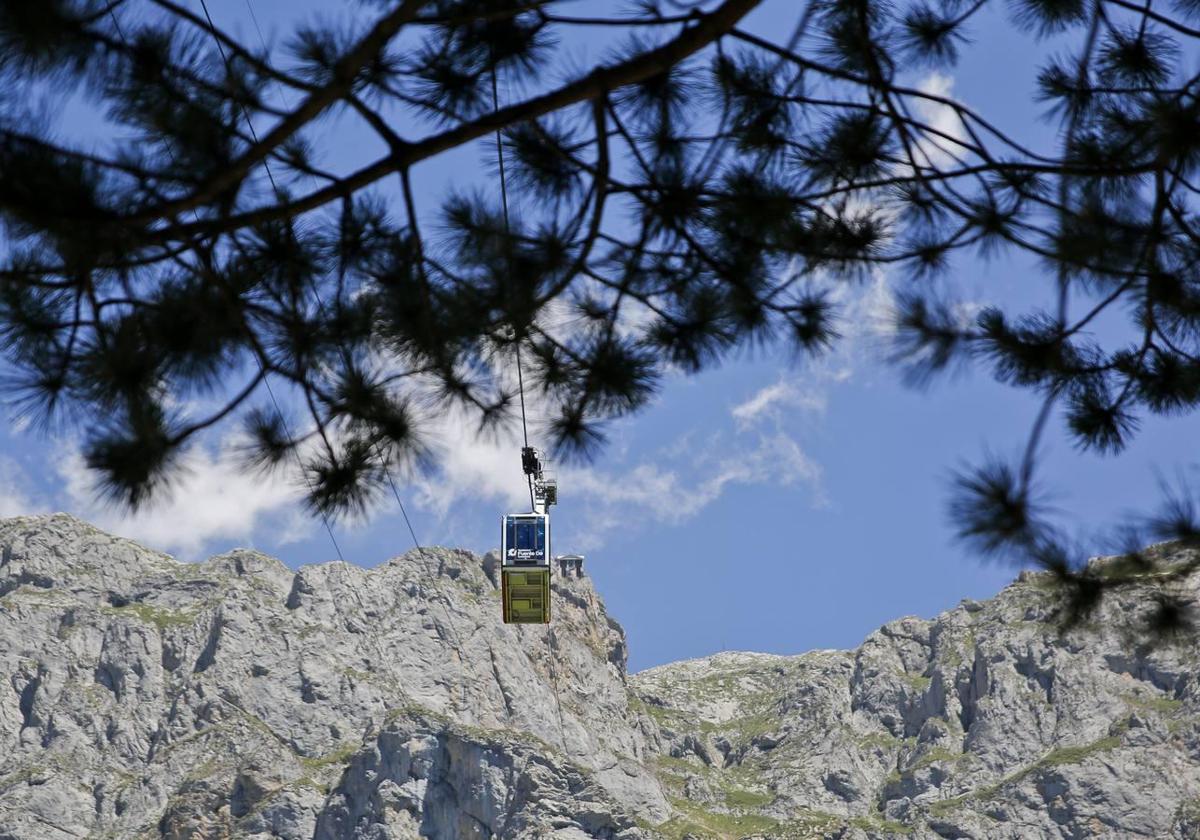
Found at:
<point>701,188</point>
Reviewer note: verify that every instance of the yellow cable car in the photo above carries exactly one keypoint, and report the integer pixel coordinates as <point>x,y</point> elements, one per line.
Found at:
<point>525,548</point>
<point>525,568</point>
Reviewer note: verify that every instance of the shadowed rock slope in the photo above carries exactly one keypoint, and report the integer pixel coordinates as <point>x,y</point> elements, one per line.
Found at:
<point>147,698</point>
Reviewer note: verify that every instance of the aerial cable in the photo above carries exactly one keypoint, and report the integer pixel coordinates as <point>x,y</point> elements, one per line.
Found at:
<point>321,305</point>
<point>283,420</point>
<point>261,369</point>
<point>316,293</point>
<point>508,234</point>
<point>551,639</point>
<point>184,685</point>
<point>229,68</point>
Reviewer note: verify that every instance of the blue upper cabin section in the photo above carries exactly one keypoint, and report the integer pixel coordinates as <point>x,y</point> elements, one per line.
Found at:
<point>526,539</point>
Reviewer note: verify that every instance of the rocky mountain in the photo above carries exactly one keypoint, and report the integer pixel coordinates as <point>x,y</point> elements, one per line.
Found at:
<point>148,698</point>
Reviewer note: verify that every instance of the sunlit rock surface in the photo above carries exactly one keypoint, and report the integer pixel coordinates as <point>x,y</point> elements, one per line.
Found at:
<point>147,698</point>
<point>982,723</point>
<point>235,697</point>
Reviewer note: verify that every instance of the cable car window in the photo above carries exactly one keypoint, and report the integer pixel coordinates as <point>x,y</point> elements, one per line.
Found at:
<point>528,537</point>
<point>525,539</point>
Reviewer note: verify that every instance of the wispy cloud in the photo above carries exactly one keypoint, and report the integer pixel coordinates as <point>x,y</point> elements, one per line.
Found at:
<point>949,133</point>
<point>470,465</point>
<point>628,487</point>
<point>214,498</point>
<point>865,321</point>
<point>673,488</point>
<point>772,399</point>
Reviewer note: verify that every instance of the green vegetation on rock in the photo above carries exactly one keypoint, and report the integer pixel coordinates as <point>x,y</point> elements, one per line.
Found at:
<point>1161,705</point>
<point>336,758</point>
<point>693,819</point>
<point>163,619</point>
<point>1054,758</point>
<point>918,682</point>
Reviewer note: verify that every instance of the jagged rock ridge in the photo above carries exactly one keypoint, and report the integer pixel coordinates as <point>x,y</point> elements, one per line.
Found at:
<point>237,698</point>
<point>982,723</point>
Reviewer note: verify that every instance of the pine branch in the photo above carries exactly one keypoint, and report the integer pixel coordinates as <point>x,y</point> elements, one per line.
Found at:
<point>599,82</point>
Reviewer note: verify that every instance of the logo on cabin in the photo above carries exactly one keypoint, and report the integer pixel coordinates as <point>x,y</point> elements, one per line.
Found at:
<point>524,553</point>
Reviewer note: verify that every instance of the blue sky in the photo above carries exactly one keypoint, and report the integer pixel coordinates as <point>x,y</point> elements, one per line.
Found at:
<point>767,504</point>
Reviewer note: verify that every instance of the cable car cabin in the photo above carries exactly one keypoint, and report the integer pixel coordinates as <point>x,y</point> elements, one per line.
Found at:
<point>525,568</point>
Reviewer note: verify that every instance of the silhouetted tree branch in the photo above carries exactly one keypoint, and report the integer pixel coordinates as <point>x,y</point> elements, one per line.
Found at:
<point>718,180</point>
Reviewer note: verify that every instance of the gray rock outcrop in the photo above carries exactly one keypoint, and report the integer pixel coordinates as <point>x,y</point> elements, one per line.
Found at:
<point>236,698</point>
<point>985,722</point>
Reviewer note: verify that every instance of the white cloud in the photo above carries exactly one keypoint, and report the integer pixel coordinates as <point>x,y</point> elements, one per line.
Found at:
<point>472,466</point>
<point>680,489</point>
<point>771,399</point>
<point>865,321</point>
<point>12,503</point>
<point>939,149</point>
<point>668,485</point>
<point>15,497</point>
<point>214,498</point>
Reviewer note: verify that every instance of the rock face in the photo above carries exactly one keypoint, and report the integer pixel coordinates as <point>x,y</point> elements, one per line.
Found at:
<point>147,698</point>
<point>236,698</point>
<point>982,723</point>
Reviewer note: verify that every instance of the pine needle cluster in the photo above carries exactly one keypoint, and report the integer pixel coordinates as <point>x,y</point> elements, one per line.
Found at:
<point>694,192</point>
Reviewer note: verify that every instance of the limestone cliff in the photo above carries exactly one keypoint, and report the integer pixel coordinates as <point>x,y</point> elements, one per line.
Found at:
<point>147,698</point>
<point>982,723</point>
<point>150,698</point>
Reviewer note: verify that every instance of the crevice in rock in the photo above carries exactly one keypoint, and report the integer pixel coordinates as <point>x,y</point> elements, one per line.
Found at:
<point>66,623</point>
<point>40,581</point>
<point>491,565</point>
<point>694,746</point>
<point>1043,677</point>
<point>308,691</point>
<point>110,677</point>
<point>209,654</point>
<point>949,832</point>
<point>842,785</point>
<point>567,595</point>
<point>170,658</point>
<point>300,588</point>
<point>25,702</point>
<point>725,748</point>
<point>1140,669</point>
<point>508,708</point>
<point>971,690</point>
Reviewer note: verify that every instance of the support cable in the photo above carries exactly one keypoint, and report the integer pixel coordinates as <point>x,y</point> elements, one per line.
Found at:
<point>551,641</point>
<point>266,165</point>
<point>261,368</point>
<point>321,305</point>
<point>507,233</point>
<point>183,687</point>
